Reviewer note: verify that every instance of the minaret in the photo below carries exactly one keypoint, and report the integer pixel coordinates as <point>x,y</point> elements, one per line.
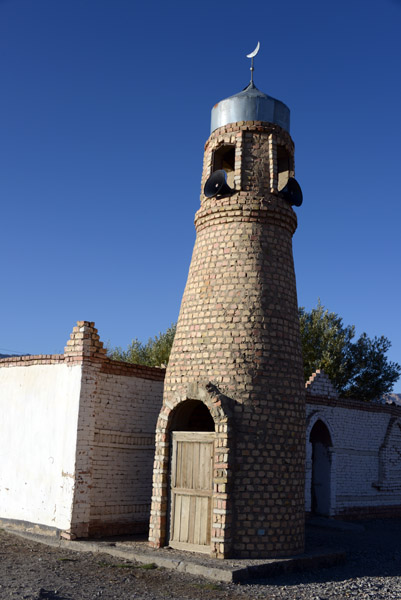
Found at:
<point>229,462</point>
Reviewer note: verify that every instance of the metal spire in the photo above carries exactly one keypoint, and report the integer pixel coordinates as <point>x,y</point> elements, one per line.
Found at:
<point>251,56</point>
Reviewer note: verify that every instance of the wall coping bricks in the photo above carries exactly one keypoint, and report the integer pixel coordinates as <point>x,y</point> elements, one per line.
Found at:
<point>31,359</point>
<point>319,384</point>
<point>351,404</point>
<point>84,344</point>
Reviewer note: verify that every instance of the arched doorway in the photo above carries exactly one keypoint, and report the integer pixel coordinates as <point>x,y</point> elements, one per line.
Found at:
<point>191,477</point>
<point>321,469</point>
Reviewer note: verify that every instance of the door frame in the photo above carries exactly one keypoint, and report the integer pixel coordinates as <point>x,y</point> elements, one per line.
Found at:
<point>190,436</point>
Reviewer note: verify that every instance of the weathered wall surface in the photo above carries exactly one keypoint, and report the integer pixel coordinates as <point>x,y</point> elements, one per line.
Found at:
<point>39,412</point>
<point>365,456</point>
<point>77,442</point>
<point>77,438</point>
<point>127,405</point>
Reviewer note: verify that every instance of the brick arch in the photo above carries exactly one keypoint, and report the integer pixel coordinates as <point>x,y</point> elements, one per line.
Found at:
<point>313,419</point>
<point>220,408</point>
<point>228,139</point>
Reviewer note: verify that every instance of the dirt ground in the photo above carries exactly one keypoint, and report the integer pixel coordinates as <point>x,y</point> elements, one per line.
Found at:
<point>34,571</point>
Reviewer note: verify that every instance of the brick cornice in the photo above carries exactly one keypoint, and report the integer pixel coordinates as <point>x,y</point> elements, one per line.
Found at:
<point>249,208</point>
<point>32,359</point>
<point>257,126</point>
<point>113,367</point>
<point>353,404</point>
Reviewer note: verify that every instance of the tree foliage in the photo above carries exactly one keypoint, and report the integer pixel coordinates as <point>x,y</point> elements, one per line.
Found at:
<point>359,369</point>
<point>154,353</point>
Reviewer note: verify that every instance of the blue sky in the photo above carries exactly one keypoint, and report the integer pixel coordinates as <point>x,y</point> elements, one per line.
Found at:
<point>104,112</point>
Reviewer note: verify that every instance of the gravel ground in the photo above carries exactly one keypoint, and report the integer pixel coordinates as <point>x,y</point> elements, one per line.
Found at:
<point>35,571</point>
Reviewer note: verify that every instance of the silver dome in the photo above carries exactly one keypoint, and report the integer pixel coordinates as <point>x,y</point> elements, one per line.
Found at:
<point>250,105</point>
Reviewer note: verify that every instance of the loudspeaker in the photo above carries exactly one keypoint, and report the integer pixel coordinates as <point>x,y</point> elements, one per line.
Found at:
<point>216,185</point>
<point>292,192</point>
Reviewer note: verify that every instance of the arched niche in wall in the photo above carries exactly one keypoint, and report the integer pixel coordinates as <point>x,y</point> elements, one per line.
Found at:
<point>224,158</point>
<point>192,415</point>
<point>321,468</point>
<point>284,166</point>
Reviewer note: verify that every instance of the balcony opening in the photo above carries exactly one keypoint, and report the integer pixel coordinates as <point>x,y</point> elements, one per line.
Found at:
<point>283,167</point>
<point>224,158</point>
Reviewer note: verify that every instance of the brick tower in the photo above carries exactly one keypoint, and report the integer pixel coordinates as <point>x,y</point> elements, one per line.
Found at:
<point>229,465</point>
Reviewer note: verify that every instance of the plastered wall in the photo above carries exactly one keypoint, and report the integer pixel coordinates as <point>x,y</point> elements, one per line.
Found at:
<point>77,438</point>
<point>39,413</point>
<point>365,456</point>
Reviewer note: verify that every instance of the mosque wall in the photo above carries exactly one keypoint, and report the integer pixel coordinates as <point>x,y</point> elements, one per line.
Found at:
<point>39,406</point>
<point>364,459</point>
<point>77,439</point>
<point>77,443</point>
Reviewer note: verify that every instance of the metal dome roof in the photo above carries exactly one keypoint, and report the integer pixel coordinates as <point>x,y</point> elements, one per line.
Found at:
<point>250,105</point>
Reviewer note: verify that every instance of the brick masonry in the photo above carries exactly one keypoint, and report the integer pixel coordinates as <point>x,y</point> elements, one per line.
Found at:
<point>106,421</point>
<point>126,410</point>
<point>237,350</point>
<point>115,447</point>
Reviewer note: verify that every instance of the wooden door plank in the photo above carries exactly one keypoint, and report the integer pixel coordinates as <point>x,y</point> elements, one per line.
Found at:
<point>177,517</point>
<point>187,492</point>
<point>189,447</point>
<point>173,461</point>
<point>196,466</point>
<point>184,519</point>
<point>177,465</point>
<point>206,470</point>
<point>197,521</point>
<point>204,517</point>
<point>190,436</point>
<point>192,512</point>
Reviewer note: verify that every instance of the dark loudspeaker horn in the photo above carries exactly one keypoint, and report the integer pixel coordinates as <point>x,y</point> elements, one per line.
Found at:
<point>216,185</point>
<point>292,192</point>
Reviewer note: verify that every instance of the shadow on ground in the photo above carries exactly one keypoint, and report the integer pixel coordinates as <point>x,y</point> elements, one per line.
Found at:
<point>373,550</point>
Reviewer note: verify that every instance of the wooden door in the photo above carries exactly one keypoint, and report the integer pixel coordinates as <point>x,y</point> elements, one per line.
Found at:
<point>191,490</point>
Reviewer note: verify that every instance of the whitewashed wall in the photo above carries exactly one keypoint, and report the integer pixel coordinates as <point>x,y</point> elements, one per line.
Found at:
<point>38,428</point>
<point>365,455</point>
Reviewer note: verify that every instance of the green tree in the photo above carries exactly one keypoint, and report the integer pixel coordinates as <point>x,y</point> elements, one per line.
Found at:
<point>154,353</point>
<point>358,369</point>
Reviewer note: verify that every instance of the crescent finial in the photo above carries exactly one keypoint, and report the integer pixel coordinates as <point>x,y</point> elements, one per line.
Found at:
<point>251,56</point>
<point>254,53</point>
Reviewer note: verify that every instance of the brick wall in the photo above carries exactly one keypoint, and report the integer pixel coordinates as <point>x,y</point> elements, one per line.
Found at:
<point>115,444</point>
<point>127,405</point>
